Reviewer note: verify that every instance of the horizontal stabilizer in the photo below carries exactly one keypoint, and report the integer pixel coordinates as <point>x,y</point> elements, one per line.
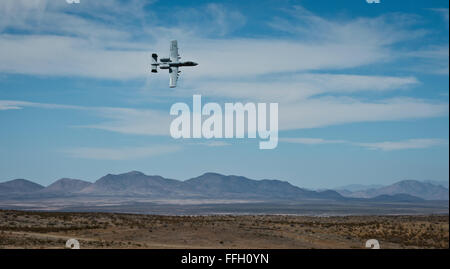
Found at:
<point>154,63</point>
<point>154,58</point>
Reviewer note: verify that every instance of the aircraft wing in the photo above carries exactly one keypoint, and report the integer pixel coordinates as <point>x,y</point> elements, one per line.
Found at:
<point>174,57</point>
<point>173,75</point>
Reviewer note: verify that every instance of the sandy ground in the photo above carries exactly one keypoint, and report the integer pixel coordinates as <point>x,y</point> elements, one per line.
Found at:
<point>20,229</point>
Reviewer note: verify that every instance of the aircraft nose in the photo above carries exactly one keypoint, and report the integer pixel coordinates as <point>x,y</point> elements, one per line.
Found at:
<point>195,63</point>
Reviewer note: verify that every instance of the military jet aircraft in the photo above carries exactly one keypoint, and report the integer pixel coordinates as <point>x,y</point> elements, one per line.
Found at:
<point>172,63</point>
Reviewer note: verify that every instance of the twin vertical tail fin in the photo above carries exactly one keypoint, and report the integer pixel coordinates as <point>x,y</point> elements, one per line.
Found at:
<point>154,64</point>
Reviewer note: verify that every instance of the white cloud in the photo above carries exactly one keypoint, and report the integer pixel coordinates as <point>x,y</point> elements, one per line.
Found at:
<point>133,121</point>
<point>13,104</point>
<point>434,59</point>
<point>384,146</point>
<point>65,43</point>
<point>213,143</point>
<point>296,87</point>
<point>371,32</point>
<point>326,111</point>
<point>72,56</point>
<point>443,12</point>
<point>406,144</point>
<point>255,69</point>
<point>7,106</point>
<point>91,19</point>
<point>310,141</point>
<point>125,153</point>
<point>247,57</point>
<point>213,19</point>
<point>122,120</point>
<point>68,56</point>
<point>311,113</point>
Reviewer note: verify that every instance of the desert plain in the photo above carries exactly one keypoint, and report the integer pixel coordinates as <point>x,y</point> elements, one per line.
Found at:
<point>36,230</point>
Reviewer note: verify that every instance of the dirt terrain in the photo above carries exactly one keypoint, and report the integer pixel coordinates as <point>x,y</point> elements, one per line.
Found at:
<point>19,229</point>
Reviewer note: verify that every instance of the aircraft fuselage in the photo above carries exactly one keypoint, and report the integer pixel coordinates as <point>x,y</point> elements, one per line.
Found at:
<point>167,65</point>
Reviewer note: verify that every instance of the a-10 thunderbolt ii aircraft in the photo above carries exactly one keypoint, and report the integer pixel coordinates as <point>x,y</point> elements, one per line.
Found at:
<point>172,63</point>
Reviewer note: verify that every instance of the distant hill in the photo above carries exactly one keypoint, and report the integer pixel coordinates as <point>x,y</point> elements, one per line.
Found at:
<point>134,183</point>
<point>221,186</point>
<point>66,186</point>
<point>19,186</point>
<point>442,183</point>
<point>415,188</point>
<point>405,198</point>
<point>358,187</point>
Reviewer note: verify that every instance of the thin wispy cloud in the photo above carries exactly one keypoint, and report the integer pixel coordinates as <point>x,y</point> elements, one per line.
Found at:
<point>213,144</point>
<point>383,146</point>
<point>296,87</point>
<point>114,119</point>
<point>117,154</point>
<point>405,144</point>
<point>432,60</point>
<point>8,107</point>
<point>443,12</point>
<point>328,111</point>
<point>310,141</point>
<point>14,104</point>
<point>317,112</point>
<point>132,121</point>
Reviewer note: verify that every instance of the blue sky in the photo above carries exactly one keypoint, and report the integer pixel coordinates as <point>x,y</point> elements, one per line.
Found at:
<point>363,89</point>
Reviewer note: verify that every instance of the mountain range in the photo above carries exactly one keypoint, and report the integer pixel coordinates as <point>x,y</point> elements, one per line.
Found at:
<point>137,184</point>
<point>424,190</point>
<point>214,186</point>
